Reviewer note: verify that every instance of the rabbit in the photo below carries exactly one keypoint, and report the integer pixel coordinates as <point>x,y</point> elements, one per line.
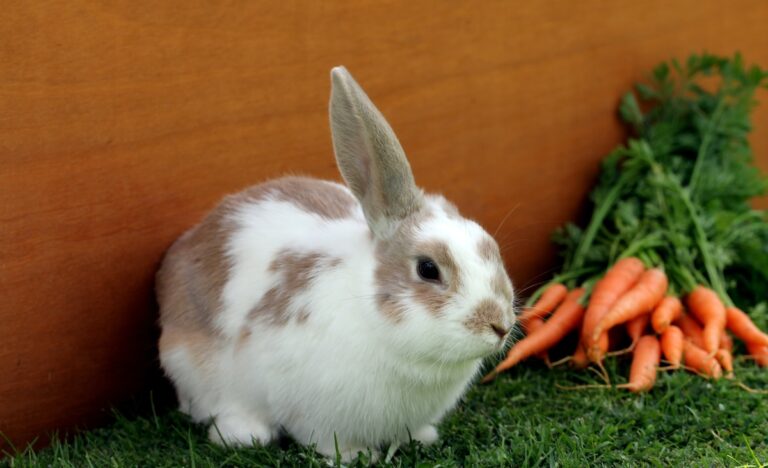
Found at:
<point>346,317</point>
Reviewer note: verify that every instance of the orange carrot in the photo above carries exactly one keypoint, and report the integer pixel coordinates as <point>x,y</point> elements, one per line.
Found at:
<point>643,297</point>
<point>534,323</point>
<point>637,326</point>
<point>550,298</point>
<point>726,342</point>
<point>725,358</point>
<point>579,360</point>
<point>742,326</point>
<point>760,353</point>
<point>618,280</point>
<point>724,355</point>
<point>707,307</point>
<point>701,361</point>
<point>596,352</point>
<point>668,310</point>
<point>645,362</point>
<point>691,329</point>
<point>567,317</point>
<point>672,345</point>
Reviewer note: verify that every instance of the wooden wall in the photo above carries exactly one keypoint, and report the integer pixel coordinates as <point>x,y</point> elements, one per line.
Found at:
<point>122,122</point>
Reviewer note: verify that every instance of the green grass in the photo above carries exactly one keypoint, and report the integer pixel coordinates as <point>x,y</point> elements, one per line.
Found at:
<point>522,419</point>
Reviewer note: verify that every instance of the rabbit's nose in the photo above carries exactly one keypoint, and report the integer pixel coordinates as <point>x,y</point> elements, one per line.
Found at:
<point>500,330</point>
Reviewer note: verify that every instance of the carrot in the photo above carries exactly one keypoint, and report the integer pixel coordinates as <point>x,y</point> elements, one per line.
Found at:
<point>760,353</point>
<point>579,360</point>
<point>597,351</point>
<point>643,296</point>
<point>725,358</point>
<point>534,323</point>
<point>707,307</point>
<point>691,329</point>
<point>645,362</point>
<point>742,326</point>
<point>724,355</point>
<point>672,345</point>
<point>701,361</point>
<point>726,342</point>
<point>618,280</point>
<point>551,298</point>
<point>668,310</point>
<point>567,317</point>
<point>637,326</point>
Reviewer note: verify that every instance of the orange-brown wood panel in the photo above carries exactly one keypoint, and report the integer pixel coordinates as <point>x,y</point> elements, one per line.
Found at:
<point>122,122</point>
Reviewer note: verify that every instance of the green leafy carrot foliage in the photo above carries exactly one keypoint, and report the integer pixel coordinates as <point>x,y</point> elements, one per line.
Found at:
<point>677,194</point>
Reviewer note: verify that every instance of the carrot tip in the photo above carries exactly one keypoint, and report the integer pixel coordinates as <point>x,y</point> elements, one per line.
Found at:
<point>488,378</point>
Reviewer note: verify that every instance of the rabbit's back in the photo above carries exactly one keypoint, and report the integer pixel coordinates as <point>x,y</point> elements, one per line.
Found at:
<point>248,258</point>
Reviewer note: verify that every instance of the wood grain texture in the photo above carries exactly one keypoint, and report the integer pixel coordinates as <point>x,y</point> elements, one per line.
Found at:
<point>122,122</point>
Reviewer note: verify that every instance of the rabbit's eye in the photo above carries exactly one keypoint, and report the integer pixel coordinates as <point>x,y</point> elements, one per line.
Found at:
<point>427,270</point>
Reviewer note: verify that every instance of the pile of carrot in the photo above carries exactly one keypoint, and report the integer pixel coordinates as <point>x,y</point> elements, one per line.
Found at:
<point>672,244</point>
<point>692,333</point>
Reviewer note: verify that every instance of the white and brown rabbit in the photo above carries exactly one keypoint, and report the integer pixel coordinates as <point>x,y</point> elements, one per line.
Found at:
<point>345,316</point>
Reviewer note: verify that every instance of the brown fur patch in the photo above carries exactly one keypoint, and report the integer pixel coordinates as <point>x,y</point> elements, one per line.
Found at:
<point>487,312</point>
<point>189,285</point>
<point>198,344</point>
<point>320,197</point>
<point>245,334</point>
<point>297,271</point>
<point>489,249</point>
<point>193,273</point>
<point>502,286</point>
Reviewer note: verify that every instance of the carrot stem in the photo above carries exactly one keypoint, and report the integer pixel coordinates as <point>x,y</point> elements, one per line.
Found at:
<point>703,243</point>
<point>705,142</point>
<point>598,217</point>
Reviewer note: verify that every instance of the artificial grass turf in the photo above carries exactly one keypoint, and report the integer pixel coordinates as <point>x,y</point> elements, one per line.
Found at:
<point>522,419</point>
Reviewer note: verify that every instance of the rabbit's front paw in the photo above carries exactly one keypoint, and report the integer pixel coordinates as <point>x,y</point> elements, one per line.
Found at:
<point>427,435</point>
<point>239,431</point>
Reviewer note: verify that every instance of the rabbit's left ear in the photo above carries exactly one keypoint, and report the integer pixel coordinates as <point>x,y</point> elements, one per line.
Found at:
<point>370,157</point>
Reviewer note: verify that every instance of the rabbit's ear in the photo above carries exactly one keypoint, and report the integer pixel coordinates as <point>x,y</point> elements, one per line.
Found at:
<point>369,156</point>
